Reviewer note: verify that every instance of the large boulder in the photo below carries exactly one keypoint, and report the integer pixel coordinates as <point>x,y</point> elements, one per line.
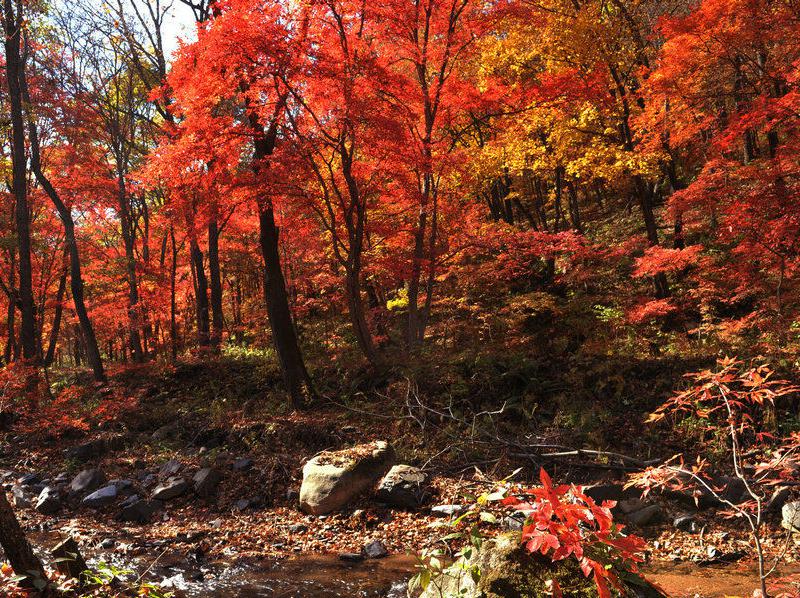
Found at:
<point>332,479</point>
<point>403,487</point>
<point>172,488</point>
<point>101,497</point>
<point>501,568</point>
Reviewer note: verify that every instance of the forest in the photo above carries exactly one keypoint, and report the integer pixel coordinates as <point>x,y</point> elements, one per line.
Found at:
<point>426,298</point>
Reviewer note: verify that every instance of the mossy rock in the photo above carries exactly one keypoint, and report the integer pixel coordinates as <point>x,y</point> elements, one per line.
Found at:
<point>506,570</point>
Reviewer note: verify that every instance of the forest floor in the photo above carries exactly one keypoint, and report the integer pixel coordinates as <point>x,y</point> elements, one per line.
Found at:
<point>219,414</point>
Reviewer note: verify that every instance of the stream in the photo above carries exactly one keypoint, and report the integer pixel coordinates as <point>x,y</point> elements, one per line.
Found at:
<point>327,576</point>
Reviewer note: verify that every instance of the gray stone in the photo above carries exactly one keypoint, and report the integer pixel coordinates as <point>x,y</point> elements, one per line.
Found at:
<point>241,504</point>
<point>170,468</point>
<point>49,501</point>
<point>298,528</point>
<point>139,511</point>
<point>778,499</point>
<point>242,464</point>
<point>206,481</point>
<point>375,549</point>
<point>87,480</point>
<point>30,479</point>
<point>333,479</point>
<point>292,495</point>
<point>685,522</point>
<point>648,516</point>
<point>790,516</point>
<point>172,488</point>
<point>108,543</point>
<point>101,497</point>
<point>122,486</point>
<point>163,433</point>
<point>403,486</point>
<point>631,505</point>
<point>447,510</point>
<point>20,497</point>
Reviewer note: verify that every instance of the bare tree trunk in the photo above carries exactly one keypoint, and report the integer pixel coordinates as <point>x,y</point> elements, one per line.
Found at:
<point>13,32</point>
<point>53,343</point>
<point>217,320</point>
<point>64,212</point>
<point>15,545</point>
<point>173,324</point>
<point>201,294</point>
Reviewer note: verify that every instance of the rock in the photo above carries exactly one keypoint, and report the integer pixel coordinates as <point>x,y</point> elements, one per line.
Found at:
<point>62,478</point>
<point>216,524</point>
<point>507,570</point>
<point>87,480</point>
<point>108,543</point>
<point>163,433</point>
<point>130,500</point>
<point>139,511</point>
<point>242,464</point>
<point>172,488</point>
<point>30,479</point>
<point>292,495</point>
<point>403,486</point>
<point>241,504</point>
<point>685,522</point>
<point>148,479</point>
<point>790,516</point>
<point>778,499</point>
<point>206,481</point>
<point>375,549</point>
<point>648,516</point>
<point>351,557</point>
<point>333,479</point>
<point>631,505</point>
<point>298,528</point>
<point>514,522</point>
<point>602,492</point>
<point>122,486</point>
<point>730,488</point>
<point>101,497</point>
<point>68,559</point>
<point>49,501</point>
<point>86,451</point>
<point>20,497</point>
<point>447,510</point>
<point>170,468</point>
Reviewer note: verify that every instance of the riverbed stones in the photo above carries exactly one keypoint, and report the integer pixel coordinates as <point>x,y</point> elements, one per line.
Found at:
<point>87,481</point>
<point>778,499</point>
<point>101,497</point>
<point>242,464</point>
<point>206,481</point>
<point>447,510</point>
<point>685,522</point>
<point>790,516</point>
<point>375,549</point>
<point>137,510</point>
<point>20,496</point>
<point>170,468</point>
<point>333,479</point>
<point>403,487</point>
<point>172,488</point>
<point>649,515</point>
<point>49,501</point>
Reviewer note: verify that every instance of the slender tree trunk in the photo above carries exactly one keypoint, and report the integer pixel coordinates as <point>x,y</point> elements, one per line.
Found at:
<point>355,307</point>
<point>201,294</point>
<point>64,212</point>
<point>284,336</point>
<point>59,309</point>
<point>16,547</point>
<point>13,29</point>
<point>217,320</point>
<point>173,306</point>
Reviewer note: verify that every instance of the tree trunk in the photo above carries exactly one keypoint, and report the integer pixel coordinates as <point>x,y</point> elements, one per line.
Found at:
<point>65,213</point>
<point>201,295</point>
<point>217,320</point>
<point>53,343</point>
<point>284,336</point>
<point>173,324</point>
<point>15,545</point>
<point>13,30</point>
<point>355,307</point>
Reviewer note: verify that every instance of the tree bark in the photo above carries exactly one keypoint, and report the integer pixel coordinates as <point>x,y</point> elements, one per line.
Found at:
<point>13,30</point>
<point>16,547</point>
<point>201,294</point>
<point>217,319</point>
<point>59,309</point>
<point>65,214</point>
